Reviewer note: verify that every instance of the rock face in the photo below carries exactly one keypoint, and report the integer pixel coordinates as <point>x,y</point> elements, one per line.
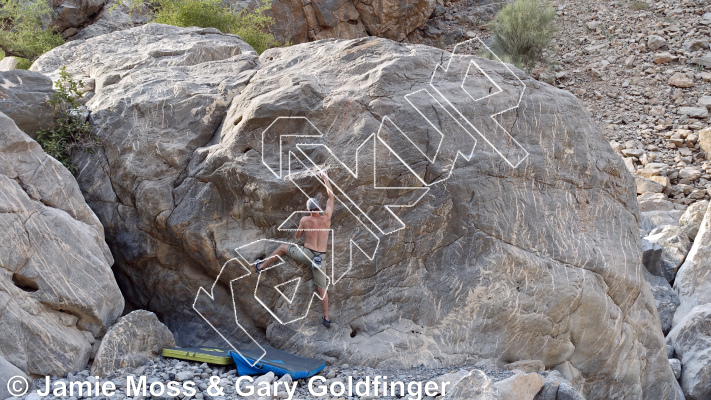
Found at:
<point>57,290</point>
<point>474,386</point>
<point>691,338</point>
<point>131,342</point>
<point>73,14</point>
<point>693,281</point>
<point>23,98</point>
<point>302,21</point>
<point>520,386</point>
<point>690,222</point>
<point>114,16</point>
<point>675,245</point>
<point>666,299</point>
<point>657,211</point>
<point>298,21</point>
<point>7,372</point>
<point>179,184</point>
<point>394,19</point>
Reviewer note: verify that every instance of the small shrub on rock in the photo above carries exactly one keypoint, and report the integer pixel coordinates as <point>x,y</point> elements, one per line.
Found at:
<point>522,30</point>
<point>71,131</point>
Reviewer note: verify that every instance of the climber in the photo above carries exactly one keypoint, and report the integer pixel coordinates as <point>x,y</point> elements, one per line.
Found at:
<point>315,228</point>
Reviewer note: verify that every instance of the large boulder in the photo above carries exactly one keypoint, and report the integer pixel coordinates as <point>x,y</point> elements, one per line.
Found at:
<point>191,73</point>
<point>57,290</point>
<point>693,281</point>
<point>691,338</point>
<point>71,15</point>
<point>24,97</point>
<point>536,262</point>
<point>675,245</point>
<point>474,385</point>
<point>690,222</point>
<point>131,342</point>
<point>520,386</point>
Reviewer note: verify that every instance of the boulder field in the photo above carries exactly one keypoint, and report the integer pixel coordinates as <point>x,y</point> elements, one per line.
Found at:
<point>521,247</point>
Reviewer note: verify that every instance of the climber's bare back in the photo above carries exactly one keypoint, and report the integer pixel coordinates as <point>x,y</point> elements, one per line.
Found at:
<point>316,239</point>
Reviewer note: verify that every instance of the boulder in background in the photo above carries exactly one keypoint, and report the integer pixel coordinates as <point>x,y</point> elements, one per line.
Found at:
<point>693,281</point>
<point>675,245</point>
<point>24,97</point>
<point>131,342</point>
<point>690,221</point>
<point>691,338</point>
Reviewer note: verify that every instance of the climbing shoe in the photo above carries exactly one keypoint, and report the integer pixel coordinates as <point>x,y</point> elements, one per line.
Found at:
<point>257,264</point>
<point>326,322</point>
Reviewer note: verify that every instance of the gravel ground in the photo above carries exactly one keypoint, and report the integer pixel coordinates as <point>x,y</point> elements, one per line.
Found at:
<point>164,370</point>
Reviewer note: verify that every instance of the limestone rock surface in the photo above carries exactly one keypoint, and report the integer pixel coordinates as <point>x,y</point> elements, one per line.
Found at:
<point>475,385</point>
<point>666,299</point>
<point>691,338</point>
<point>675,245</point>
<point>23,98</point>
<point>70,15</point>
<point>520,386</point>
<point>7,373</point>
<point>693,281</point>
<point>57,290</point>
<point>690,222</point>
<point>131,342</point>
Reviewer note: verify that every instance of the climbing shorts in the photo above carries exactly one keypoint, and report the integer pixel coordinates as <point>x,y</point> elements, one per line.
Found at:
<point>316,260</point>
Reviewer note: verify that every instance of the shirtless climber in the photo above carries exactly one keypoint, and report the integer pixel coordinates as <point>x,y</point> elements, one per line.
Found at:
<point>315,230</point>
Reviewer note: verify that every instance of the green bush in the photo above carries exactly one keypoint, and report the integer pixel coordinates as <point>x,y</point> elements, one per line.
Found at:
<point>522,30</point>
<point>251,25</point>
<point>23,28</point>
<point>71,132</point>
<point>202,13</point>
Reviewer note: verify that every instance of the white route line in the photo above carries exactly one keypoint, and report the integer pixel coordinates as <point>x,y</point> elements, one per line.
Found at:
<point>211,295</point>
<point>354,173</point>
<point>296,289</point>
<point>281,161</point>
<point>439,145</point>
<point>447,68</point>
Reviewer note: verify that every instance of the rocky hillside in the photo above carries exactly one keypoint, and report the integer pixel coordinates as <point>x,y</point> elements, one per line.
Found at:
<point>642,71</point>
